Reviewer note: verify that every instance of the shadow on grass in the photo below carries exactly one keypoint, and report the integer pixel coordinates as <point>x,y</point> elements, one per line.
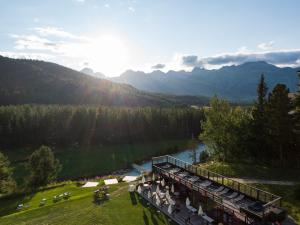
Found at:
<point>145,217</point>
<point>133,198</point>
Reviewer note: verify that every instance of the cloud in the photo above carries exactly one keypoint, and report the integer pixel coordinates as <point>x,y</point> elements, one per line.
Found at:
<point>191,60</point>
<point>57,32</point>
<point>131,9</point>
<point>80,1</point>
<point>280,58</point>
<point>266,46</point>
<point>106,5</point>
<point>158,66</point>
<point>33,42</point>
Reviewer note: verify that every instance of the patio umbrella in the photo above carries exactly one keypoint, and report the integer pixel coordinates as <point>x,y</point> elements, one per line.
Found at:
<point>172,188</point>
<point>157,189</point>
<point>167,194</point>
<point>139,190</point>
<point>170,209</point>
<point>143,179</point>
<point>163,183</point>
<point>200,211</point>
<point>157,201</point>
<point>187,201</point>
<point>153,177</point>
<point>149,194</point>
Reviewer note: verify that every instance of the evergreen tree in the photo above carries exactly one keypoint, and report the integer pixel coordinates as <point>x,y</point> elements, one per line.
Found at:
<point>259,123</point>
<point>280,125</point>
<point>7,184</point>
<point>43,167</point>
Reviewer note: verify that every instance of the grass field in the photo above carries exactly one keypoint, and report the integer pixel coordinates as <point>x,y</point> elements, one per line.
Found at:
<point>288,193</point>
<point>94,161</point>
<point>80,209</point>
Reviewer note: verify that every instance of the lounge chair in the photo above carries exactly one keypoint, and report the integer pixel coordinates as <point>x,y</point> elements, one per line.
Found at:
<point>232,195</point>
<point>223,192</point>
<point>205,183</point>
<point>239,198</point>
<point>221,188</point>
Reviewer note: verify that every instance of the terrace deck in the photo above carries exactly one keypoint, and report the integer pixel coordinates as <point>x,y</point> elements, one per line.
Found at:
<point>246,201</point>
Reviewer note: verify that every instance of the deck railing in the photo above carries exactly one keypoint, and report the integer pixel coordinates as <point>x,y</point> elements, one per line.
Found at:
<point>268,198</point>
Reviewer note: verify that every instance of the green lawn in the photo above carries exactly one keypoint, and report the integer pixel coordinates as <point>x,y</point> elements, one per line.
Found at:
<point>80,209</point>
<point>93,161</point>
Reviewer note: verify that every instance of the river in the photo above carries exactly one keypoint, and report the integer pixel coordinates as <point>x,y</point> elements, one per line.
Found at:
<point>185,155</point>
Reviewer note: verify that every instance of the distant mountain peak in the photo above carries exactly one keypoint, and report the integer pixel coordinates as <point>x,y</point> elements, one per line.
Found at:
<point>89,71</point>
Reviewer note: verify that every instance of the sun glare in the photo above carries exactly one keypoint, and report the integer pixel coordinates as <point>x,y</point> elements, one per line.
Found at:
<point>108,54</point>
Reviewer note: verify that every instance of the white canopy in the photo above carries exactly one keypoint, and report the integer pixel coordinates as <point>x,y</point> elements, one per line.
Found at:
<point>90,184</point>
<point>129,178</point>
<point>110,181</point>
<point>200,211</point>
<point>187,201</point>
<point>143,179</point>
<point>172,188</point>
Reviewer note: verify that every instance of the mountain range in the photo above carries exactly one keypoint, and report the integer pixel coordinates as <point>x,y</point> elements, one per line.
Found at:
<point>235,83</point>
<point>30,81</point>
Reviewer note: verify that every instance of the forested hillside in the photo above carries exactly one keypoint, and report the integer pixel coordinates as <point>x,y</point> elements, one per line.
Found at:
<point>30,81</point>
<point>28,125</point>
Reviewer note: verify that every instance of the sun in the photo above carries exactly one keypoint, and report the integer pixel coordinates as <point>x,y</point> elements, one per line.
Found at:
<point>108,54</point>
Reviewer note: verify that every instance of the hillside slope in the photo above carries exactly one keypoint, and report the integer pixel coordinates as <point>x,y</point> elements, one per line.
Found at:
<point>30,81</point>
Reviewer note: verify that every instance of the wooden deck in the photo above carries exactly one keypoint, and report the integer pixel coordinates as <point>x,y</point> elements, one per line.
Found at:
<point>182,215</point>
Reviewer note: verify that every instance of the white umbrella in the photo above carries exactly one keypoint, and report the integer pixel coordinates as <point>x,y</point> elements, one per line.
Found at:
<point>157,201</point>
<point>170,209</point>
<point>172,188</point>
<point>187,201</point>
<point>157,189</point>
<point>153,177</point>
<point>143,179</point>
<point>163,183</point>
<point>167,194</point>
<point>139,190</point>
<point>149,194</point>
<point>200,211</point>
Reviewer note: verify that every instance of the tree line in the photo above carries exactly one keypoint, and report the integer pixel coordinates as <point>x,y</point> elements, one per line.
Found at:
<point>36,125</point>
<point>267,133</point>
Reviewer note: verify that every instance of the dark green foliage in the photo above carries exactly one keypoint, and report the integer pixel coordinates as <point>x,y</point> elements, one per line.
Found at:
<point>30,81</point>
<point>259,123</point>
<point>29,125</point>
<point>43,167</point>
<point>268,134</point>
<point>224,130</point>
<point>7,184</point>
<point>204,156</point>
<point>297,192</point>
<point>281,139</point>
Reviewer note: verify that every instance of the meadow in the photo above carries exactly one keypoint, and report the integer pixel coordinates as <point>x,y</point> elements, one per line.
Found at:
<point>80,209</point>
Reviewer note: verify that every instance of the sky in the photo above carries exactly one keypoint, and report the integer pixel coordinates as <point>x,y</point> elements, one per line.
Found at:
<point>112,36</point>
